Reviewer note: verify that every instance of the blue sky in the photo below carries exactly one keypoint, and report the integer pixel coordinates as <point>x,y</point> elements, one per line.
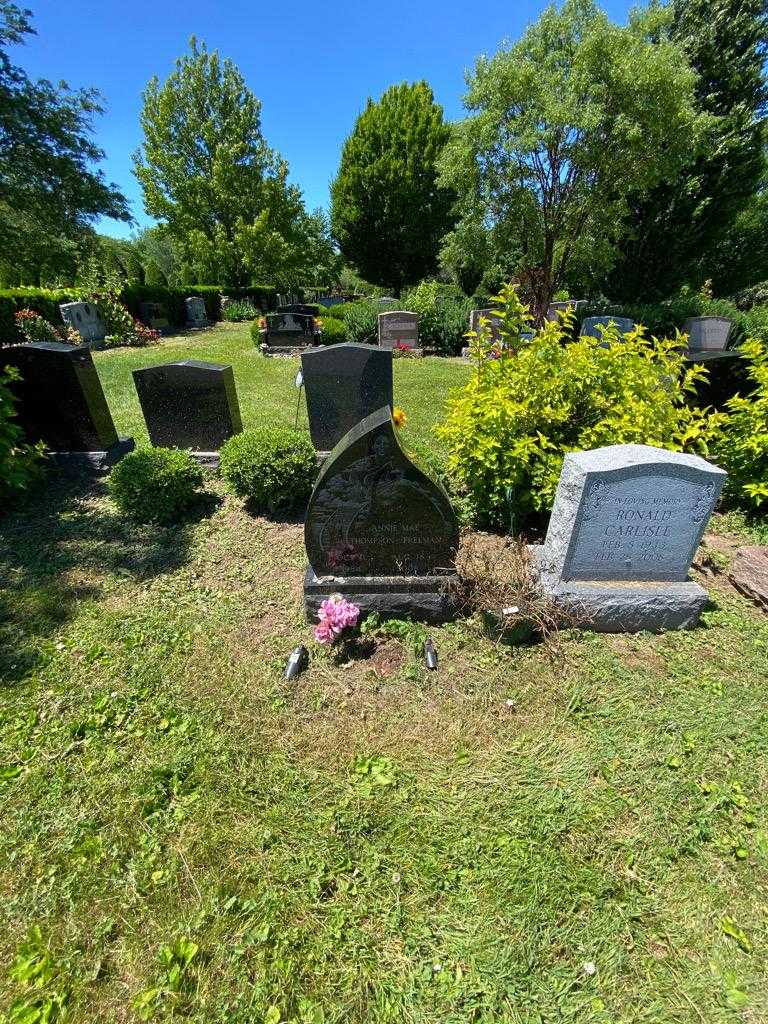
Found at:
<point>312,65</point>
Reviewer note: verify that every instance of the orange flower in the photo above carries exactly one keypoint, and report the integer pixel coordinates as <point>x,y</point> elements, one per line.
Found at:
<point>399,417</point>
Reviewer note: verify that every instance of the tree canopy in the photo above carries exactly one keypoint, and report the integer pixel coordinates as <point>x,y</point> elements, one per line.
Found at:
<point>209,176</point>
<point>50,189</point>
<point>675,233</point>
<point>564,125</point>
<point>388,212</point>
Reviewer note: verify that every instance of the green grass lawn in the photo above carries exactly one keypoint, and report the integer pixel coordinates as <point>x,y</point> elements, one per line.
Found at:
<point>265,387</point>
<point>524,836</point>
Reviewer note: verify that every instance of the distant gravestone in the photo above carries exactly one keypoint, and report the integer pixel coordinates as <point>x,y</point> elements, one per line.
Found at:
<point>344,384</point>
<point>625,525</point>
<point>386,302</point>
<point>289,330</point>
<point>153,315</point>
<point>492,316</point>
<point>379,531</point>
<point>86,320</point>
<point>189,404</point>
<point>304,309</point>
<point>708,333</point>
<point>197,315</point>
<point>61,403</point>
<point>554,308</point>
<point>591,325</point>
<point>398,327</point>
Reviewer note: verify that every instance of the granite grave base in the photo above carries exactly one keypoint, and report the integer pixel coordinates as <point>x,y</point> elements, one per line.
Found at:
<point>421,598</point>
<point>286,351</point>
<point>627,606</point>
<point>94,462</point>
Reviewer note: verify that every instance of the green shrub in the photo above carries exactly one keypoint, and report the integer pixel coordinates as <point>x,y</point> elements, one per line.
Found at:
<point>20,464</point>
<point>256,326</point>
<point>361,322</point>
<point>512,424</point>
<point>239,310</point>
<point>334,331</point>
<point>155,484</point>
<point>443,311</point>
<point>273,467</point>
<point>741,441</point>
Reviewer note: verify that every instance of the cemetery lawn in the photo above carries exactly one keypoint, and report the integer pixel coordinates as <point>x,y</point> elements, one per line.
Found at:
<point>523,836</point>
<point>265,387</point>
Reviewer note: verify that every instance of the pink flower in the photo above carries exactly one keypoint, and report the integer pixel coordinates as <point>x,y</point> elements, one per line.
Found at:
<point>324,634</point>
<point>336,614</point>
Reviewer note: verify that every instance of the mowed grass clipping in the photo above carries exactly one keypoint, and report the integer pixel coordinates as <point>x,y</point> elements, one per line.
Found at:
<point>265,386</point>
<point>519,837</point>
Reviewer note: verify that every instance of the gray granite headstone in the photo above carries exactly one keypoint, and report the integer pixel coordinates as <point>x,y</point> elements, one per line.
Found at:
<point>554,308</point>
<point>708,333</point>
<point>625,525</point>
<point>196,312</point>
<point>398,327</point>
<point>492,316</point>
<point>378,530</point>
<point>85,318</point>
<point>386,302</point>
<point>591,325</point>
<point>289,330</point>
<point>344,384</point>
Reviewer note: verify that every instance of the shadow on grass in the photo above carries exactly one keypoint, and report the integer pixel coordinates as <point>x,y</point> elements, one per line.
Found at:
<point>286,516</point>
<point>59,549</point>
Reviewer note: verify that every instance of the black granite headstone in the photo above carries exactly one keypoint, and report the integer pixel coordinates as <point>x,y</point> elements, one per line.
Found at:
<point>378,530</point>
<point>60,402</point>
<point>289,330</point>
<point>189,404</point>
<point>344,384</point>
<point>298,307</point>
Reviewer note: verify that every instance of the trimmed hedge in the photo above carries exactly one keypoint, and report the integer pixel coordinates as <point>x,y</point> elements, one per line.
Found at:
<point>46,302</point>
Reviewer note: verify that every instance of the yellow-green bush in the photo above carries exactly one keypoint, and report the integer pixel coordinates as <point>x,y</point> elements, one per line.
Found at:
<point>513,423</point>
<point>741,442</point>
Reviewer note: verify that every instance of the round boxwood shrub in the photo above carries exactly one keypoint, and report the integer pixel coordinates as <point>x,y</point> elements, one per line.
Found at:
<point>155,485</point>
<point>273,467</point>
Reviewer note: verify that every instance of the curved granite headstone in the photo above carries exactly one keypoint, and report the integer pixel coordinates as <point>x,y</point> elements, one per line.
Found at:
<point>344,384</point>
<point>378,530</point>
<point>591,325</point>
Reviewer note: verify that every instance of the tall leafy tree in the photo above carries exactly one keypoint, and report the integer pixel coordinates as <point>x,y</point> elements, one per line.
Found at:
<point>50,188</point>
<point>388,212</point>
<point>564,125</point>
<point>676,232</point>
<point>210,178</point>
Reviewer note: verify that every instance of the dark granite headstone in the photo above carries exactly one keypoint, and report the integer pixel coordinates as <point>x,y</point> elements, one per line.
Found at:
<point>289,330</point>
<point>344,384</point>
<point>189,404</point>
<point>378,530</point>
<point>61,403</point>
<point>153,315</point>
<point>301,308</point>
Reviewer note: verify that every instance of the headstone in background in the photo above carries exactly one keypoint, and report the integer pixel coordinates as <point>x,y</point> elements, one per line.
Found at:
<point>492,316</point>
<point>303,308</point>
<point>708,333</point>
<point>625,525</point>
<point>387,302</point>
<point>590,326</point>
<point>344,384</point>
<point>378,531</point>
<point>398,327</point>
<point>331,300</point>
<point>197,315</point>
<point>61,403</point>
<point>554,307</point>
<point>189,404</point>
<point>289,330</point>
<point>153,315</point>
<point>86,320</point>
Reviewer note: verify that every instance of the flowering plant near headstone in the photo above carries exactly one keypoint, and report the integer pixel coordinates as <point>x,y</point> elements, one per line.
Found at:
<point>122,328</point>
<point>35,327</point>
<point>337,616</point>
<point>546,395</point>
